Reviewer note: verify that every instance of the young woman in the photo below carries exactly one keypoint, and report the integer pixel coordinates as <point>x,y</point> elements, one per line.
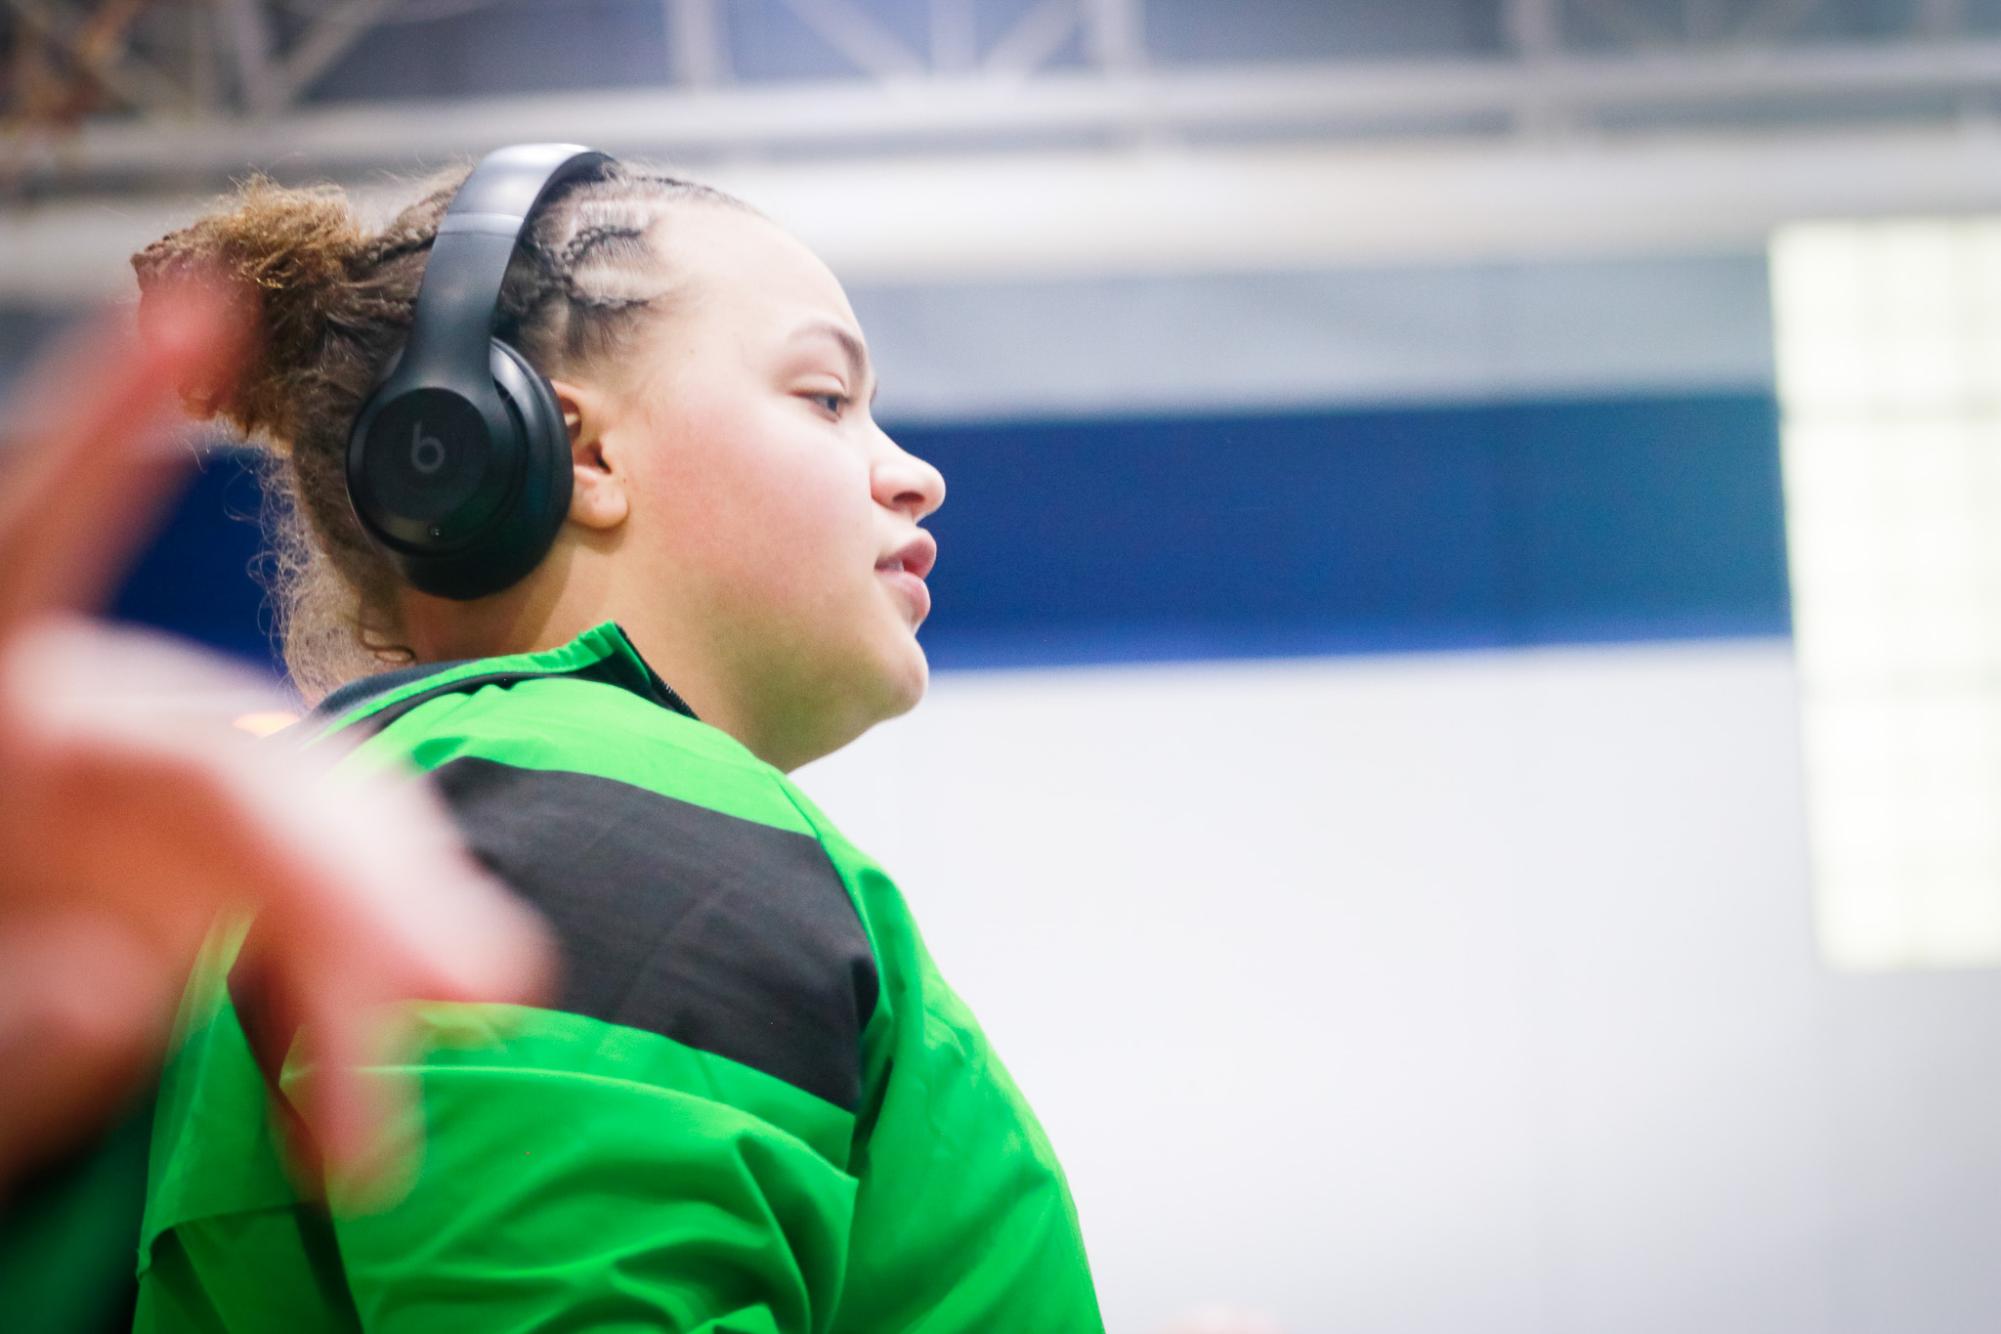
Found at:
<point>756,1106</point>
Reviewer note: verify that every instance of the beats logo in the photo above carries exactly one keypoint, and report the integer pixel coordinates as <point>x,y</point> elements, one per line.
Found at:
<point>427,452</point>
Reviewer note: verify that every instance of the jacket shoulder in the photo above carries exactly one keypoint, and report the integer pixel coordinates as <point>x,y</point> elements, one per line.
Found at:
<point>689,894</point>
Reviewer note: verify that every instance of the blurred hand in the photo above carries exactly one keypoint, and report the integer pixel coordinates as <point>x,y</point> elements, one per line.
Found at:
<point>134,815</point>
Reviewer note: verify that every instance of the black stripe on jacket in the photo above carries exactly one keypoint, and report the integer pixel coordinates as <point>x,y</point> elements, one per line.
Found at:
<point>723,934</point>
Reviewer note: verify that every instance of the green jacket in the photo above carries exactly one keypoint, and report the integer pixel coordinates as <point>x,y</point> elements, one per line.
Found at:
<point>756,1106</point>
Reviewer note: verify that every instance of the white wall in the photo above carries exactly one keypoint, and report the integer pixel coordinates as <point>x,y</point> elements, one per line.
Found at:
<point>1444,994</point>
<point>1440,994</point>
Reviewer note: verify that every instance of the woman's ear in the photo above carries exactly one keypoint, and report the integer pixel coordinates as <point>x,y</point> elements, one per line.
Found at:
<point>598,496</point>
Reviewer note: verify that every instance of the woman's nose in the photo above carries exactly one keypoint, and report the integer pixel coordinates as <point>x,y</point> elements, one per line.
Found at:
<point>905,482</point>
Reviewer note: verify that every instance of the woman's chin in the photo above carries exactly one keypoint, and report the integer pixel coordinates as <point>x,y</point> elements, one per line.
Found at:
<point>884,681</point>
<point>908,678</point>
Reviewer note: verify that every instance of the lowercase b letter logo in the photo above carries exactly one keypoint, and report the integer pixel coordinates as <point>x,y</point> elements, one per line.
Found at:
<point>427,452</point>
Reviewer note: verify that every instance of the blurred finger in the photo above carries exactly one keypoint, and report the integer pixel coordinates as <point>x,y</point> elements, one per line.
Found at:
<point>334,1059</point>
<point>378,867</point>
<point>453,932</point>
<point>70,676</point>
<point>359,1095</point>
<point>364,902</point>
<point>327,859</point>
<point>363,896</point>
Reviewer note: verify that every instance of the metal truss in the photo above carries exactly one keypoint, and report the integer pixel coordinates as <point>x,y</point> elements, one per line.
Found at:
<point>102,48</point>
<point>192,87</point>
<point>1111,30</point>
<point>1122,154</point>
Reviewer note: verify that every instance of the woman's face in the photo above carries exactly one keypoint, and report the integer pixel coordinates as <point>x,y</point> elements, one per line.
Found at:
<point>776,521</point>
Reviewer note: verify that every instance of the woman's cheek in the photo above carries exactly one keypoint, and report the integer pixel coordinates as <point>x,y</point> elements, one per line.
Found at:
<point>821,497</point>
<point>778,507</point>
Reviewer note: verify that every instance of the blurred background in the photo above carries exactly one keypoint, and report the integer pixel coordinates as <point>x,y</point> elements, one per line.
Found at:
<point>1463,767</point>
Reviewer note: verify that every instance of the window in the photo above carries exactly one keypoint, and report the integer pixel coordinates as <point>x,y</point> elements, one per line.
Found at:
<point>1889,367</point>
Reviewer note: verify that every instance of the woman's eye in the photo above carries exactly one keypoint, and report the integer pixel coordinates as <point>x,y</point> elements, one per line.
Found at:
<point>833,403</point>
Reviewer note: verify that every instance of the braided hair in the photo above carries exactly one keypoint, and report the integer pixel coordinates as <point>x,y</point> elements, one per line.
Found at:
<point>332,303</point>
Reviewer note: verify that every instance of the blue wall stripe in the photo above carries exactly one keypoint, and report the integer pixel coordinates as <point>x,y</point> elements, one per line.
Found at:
<point>1332,532</point>
<point>1358,531</point>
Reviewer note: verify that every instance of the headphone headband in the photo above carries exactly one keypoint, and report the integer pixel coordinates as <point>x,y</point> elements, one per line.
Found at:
<point>458,301</point>
<point>458,464</point>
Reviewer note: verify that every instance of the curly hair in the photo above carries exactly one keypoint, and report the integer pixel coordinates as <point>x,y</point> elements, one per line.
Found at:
<point>331,304</point>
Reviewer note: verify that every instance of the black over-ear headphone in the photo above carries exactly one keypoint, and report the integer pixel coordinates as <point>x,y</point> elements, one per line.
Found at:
<point>458,464</point>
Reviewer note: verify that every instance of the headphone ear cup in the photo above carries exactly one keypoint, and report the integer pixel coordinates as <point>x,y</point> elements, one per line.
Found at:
<point>545,438</point>
<point>464,491</point>
<point>461,473</point>
<point>520,533</point>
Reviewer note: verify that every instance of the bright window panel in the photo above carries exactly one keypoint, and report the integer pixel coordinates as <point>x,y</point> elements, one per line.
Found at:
<point>1889,363</point>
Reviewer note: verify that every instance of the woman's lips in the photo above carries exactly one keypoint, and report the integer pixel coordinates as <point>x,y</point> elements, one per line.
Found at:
<point>917,555</point>
<point>906,569</point>
<point>913,589</point>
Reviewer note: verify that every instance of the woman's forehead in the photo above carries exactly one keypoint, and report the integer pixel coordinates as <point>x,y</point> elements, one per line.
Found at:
<point>740,268</point>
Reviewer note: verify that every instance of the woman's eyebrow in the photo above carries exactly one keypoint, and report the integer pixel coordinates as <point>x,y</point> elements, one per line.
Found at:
<point>859,370</point>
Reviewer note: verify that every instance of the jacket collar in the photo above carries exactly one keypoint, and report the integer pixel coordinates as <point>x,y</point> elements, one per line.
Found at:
<point>603,653</point>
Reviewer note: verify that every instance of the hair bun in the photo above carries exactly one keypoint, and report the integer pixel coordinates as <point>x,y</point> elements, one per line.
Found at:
<point>290,253</point>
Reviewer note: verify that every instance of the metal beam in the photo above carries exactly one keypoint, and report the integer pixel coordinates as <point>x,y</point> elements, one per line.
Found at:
<point>250,41</point>
<point>1035,37</point>
<point>859,36</point>
<point>954,37</point>
<point>330,38</point>
<point>920,217</point>
<point>977,110</point>
<point>131,80</point>
<point>695,43</point>
<point>1533,28</point>
<point>204,72</point>
<point>1117,34</point>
